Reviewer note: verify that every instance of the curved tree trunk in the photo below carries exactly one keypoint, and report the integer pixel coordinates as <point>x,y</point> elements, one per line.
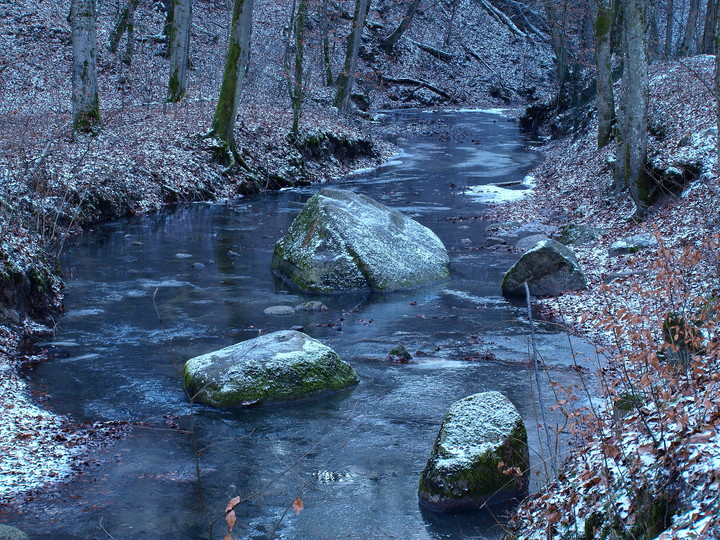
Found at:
<point>605,98</point>
<point>347,76</point>
<point>85,99</point>
<point>223,124</point>
<point>389,42</point>
<point>179,43</point>
<point>633,110</point>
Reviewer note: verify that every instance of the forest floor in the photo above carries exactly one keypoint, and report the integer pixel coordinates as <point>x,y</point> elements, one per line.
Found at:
<point>653,467</point>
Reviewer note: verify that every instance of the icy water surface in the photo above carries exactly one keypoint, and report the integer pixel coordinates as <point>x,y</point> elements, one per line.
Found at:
<point>354,458</point>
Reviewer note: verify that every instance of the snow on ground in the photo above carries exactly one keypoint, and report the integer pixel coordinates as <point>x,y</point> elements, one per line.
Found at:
<point>665,448</point>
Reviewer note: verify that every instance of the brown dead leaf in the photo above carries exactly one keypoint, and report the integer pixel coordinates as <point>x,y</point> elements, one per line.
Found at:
<point>298,505</point>
<point>231,518</point>
<point>233,503</point>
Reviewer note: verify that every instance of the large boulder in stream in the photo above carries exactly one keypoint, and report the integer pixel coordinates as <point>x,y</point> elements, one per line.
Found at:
<point>343,241</point>
<point>277,367</point>
<point>480,456</point>
<point>549,268</point>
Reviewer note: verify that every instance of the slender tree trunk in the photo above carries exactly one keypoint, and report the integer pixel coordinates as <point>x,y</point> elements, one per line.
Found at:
<point>711,19</point>
<point>125,23</point>
<point>717,82</point>
<point>670,23</point>
<point>179,44</point>
<point>347,76</point>
<point>389,42</point>
<point>296,96</point>
<point>223,125</point>
<point>605,98</point>
<point>653,31</point>
<point>325,38</point>
<point>167,27</point>
<point>451,21</point>
<point>557,37</point>
<point>633,111</point>
<point>85,99</point>
<point>690,27</point>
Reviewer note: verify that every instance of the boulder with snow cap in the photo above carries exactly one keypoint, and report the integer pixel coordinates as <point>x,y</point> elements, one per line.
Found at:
<point>549,268</point>
<point>480,456</point>
<point>343,241</point>
<point>633,244</point>
<point>282,366</point>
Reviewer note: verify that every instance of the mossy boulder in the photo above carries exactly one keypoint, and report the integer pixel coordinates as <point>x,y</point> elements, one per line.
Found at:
<point>549,268</point>
<point>342,241</point>
<point>482,438</point>
<point>578,234</point>
<point>274,368</point>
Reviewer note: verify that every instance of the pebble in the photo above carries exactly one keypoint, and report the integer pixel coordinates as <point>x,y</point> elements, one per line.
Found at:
<point>279,310</point>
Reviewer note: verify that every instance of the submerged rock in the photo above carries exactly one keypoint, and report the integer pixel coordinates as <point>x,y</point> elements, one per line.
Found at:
<point>343,241</point>
<point>282,366</point>
<point>279,310</point>
<point>549,268</point>
<point>633,244</point>
<point>481,438</point>
<point>399,354</point>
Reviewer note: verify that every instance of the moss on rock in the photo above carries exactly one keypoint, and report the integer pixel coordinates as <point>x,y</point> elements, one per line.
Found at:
<point>282,366</point>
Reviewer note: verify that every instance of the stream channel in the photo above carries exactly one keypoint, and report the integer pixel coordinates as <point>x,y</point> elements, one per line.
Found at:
<point>353,458</point>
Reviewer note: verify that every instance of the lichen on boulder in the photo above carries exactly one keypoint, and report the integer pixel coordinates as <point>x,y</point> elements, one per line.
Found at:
<point>342,241</point>
<point>481,439</point>
<point>278,367</point>
<point>549,268</point>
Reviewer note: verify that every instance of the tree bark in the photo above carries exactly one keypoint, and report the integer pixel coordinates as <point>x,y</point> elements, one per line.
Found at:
<point>223,125</point>
<point>605,97</point>
<point>325,39</point>
<point>179,43</point>
<point>690,27</point>
<point>296,95</point>
<point>347,76</point>
<point>125,23</point>
<point>85,98</point>
<point>711,19</point>
<point>717,83</point>
<point>389,42</point>
<point>669,24</point>
<point>557,36</point>
<point>633,110</point>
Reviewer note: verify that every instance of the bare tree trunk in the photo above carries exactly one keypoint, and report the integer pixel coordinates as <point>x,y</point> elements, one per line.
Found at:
<point>389,42</point>
<point>653,32</point>
<point>347,76</point>
<point>179,43</point>
<point>296,95</point>
<point>223,125</point>
<point>557,36</point>
<point>167,27</point>
<point>85,99</point>
<point>325,38</point>
<point>633,111</point>
<point>717,82</point>
<point>451,21</point>
<point>690,27</point>
<point>605,98</point>
<point>669,24</point>
<point>125,23</point>
<point>711,19</point>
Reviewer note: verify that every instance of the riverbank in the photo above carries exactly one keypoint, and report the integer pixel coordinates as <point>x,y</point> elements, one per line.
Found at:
<point>646,462</point>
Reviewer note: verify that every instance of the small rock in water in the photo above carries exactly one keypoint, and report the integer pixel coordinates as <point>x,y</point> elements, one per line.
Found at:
<point>183,255</point>
<point>491,241</point>
<point>466,241</point>
<point>279,310</point>
<point>313,305</point>
<point>399,354</point>
<point>297,328</point>
<point>138,243</point>
<point>198,266</point>
<point>233,254</point>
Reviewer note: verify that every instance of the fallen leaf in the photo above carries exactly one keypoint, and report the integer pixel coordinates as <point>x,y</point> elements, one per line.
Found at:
<point>298,505</point>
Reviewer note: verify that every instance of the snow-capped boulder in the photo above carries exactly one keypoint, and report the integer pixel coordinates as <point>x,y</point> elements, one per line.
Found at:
<point>549,268</point>
<point>633,244</point>
<point>8,532</point>
<point>482,438</point>
<point>343,241</point>
<point>281,366</point>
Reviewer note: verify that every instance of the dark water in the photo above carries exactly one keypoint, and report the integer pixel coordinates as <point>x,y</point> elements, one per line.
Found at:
<point>354,458</point>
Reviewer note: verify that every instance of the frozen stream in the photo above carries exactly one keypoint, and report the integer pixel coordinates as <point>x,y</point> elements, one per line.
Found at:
<point>354,458</point>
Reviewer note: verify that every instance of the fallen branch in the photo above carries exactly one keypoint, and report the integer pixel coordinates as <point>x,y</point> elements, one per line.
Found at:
<point>405,81</point>
<point>502,18</point>
<point>432,51</point>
